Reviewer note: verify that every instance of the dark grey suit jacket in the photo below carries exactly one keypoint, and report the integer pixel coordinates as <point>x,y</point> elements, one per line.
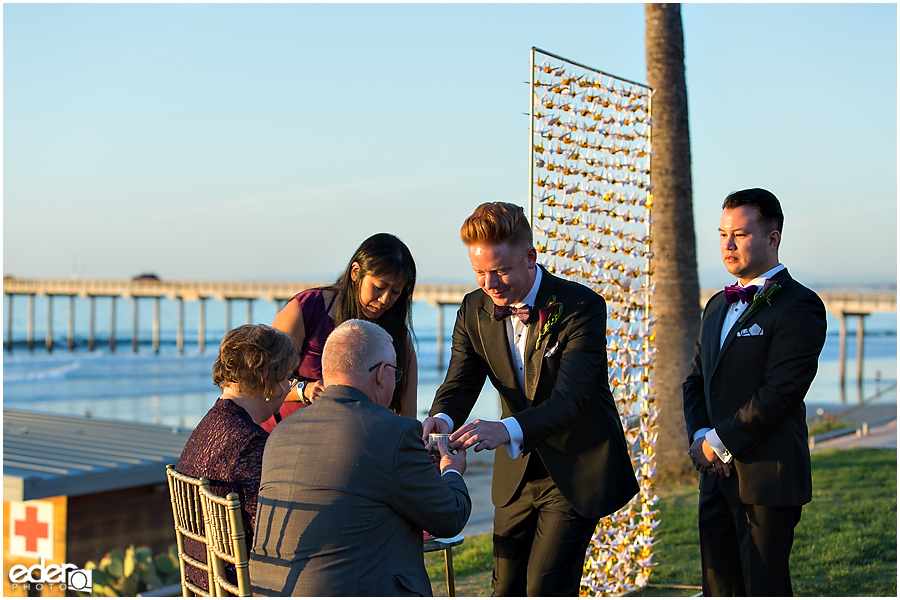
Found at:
<point>752,390</point>
<point>347,488</point>
<point>566,411</point>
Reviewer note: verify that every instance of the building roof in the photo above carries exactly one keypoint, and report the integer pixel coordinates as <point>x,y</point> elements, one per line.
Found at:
<point>47,455</point>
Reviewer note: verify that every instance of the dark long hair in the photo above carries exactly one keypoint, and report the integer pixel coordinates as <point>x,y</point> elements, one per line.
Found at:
<point>381,254</point>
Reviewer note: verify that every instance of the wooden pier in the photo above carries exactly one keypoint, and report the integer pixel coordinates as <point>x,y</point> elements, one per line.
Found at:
<point>843,305</point>
<point>182,291</point>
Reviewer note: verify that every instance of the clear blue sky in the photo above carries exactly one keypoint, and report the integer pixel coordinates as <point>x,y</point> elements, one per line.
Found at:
<point>212,141</point>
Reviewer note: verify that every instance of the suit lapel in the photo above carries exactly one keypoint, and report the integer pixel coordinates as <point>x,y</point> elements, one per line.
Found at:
<point>713,334</point>
<point>780,278</point>
<point>496,344</point>
<point>732,333</point>
<point>534,355</point>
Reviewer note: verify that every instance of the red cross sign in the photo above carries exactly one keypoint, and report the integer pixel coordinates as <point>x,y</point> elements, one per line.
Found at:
<point>31,529</point>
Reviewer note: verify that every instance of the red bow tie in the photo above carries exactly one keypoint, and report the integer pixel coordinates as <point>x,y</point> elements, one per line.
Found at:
<point>502,312</point>
<point>733,293</point>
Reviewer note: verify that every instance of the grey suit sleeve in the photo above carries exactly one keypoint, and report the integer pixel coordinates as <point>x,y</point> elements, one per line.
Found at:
<point>439,505</point>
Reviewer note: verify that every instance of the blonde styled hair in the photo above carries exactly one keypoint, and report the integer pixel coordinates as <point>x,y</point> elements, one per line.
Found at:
<point>256,358</point>
<point>497,222</point>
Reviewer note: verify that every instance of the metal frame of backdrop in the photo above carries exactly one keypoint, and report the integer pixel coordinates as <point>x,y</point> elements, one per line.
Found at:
<point>590,200</point>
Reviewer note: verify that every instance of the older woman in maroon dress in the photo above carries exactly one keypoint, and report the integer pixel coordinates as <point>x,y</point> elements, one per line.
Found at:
<point>254,370</point>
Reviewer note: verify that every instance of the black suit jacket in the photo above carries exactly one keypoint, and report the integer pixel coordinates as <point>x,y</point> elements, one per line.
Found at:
<point>752,390</point>
<point>566,411</point>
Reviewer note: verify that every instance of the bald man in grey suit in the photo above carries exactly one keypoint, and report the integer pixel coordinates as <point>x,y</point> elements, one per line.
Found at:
<point>348,486</point>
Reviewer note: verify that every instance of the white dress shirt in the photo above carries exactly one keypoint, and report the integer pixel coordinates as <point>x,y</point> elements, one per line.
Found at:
<point>734,312</point>
<point>516,334</point>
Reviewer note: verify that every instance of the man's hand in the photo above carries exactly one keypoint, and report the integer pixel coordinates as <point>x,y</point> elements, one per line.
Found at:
<point>314,389</point>
<point>701,463</point>
<point>433,425</point>
<point>706,460</point>
<point>482,435</point>
<point>451,461</point>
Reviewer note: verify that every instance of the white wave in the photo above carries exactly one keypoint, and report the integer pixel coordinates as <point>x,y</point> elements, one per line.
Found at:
<point>55,372</point>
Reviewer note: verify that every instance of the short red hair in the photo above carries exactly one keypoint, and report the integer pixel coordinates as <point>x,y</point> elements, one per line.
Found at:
<point>496,222</point>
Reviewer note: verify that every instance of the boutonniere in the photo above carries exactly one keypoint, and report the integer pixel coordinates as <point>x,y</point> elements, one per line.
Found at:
<point>548,317</point>
<point>762,296</point>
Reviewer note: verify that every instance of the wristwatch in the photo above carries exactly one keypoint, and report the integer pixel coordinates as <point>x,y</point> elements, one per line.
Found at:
<point>301,388</point>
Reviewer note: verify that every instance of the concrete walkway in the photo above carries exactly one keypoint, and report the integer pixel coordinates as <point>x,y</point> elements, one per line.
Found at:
<point>880,436</point>
<point>883,435</point>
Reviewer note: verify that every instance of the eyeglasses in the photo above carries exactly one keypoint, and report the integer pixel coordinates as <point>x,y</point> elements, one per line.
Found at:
<point>398,372</point>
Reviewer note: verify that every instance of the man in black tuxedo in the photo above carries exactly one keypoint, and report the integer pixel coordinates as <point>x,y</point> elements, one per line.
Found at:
<point>564,463</point>
<point>754,361</point>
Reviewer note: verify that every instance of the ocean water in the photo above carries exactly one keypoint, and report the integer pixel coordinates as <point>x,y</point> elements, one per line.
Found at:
<point>175,389</point>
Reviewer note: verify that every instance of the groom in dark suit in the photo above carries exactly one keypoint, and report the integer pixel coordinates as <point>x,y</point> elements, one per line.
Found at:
<point>562,461</point>
<point>754,361</point>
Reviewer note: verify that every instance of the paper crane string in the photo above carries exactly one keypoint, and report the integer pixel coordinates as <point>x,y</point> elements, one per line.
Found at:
<point>592,198</point>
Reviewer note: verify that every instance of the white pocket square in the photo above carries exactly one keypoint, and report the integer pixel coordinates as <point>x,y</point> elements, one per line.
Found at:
<point>755,330</point>
<point>551,351</point>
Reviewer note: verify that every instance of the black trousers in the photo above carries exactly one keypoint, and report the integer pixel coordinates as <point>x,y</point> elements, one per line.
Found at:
<point>745,548</point>
<point>539,540</point>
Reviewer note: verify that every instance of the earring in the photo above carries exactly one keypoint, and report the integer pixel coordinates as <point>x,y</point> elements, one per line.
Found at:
<point>267,399</point>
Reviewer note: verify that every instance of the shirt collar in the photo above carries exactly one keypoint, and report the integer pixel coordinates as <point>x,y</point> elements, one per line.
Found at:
<point>344,392</point>
<point>761,280</point>
<point>531,296</point>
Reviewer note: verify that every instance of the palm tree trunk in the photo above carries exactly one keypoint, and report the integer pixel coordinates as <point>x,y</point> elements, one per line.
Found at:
<point>676,296</point>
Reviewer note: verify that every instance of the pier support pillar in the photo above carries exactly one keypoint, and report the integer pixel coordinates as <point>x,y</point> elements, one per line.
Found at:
<point>70,334</point>
<point>112,323</point>
<point>179,339</point>
<point>156,324</point>
<point>842,352</point>
<point>860,337</point>
<point>201,330</point>
<point>250,310</point>
<point>48,336</point>
<point>91,317</point>
<point>9,322</point>
<point>30,332</point>
<point>134,324</point>
<point>227,315</point>
<point>440,335</point>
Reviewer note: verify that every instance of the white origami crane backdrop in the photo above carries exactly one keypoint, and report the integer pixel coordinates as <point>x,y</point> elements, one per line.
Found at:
<point>590,208</point>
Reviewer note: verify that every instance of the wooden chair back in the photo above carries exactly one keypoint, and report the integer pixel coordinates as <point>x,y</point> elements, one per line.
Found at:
<point>225,540</point>
<point>187,509</point>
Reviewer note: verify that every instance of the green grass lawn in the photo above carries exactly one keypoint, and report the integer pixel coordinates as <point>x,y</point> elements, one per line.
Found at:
<point>845,544</point>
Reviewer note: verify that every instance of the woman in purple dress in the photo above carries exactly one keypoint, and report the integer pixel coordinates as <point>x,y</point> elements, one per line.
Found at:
<point>255,370</point>
<point>376,286</point>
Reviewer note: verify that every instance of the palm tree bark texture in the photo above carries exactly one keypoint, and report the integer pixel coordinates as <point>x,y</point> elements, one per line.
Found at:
<point>676,296</point>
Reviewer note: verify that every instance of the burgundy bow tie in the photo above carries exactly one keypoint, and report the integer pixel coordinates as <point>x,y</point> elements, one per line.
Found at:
<point>733,293</point>
<point>523,312</point>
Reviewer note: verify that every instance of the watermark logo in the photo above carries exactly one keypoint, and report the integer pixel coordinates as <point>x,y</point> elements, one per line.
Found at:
<point>60,577</point>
